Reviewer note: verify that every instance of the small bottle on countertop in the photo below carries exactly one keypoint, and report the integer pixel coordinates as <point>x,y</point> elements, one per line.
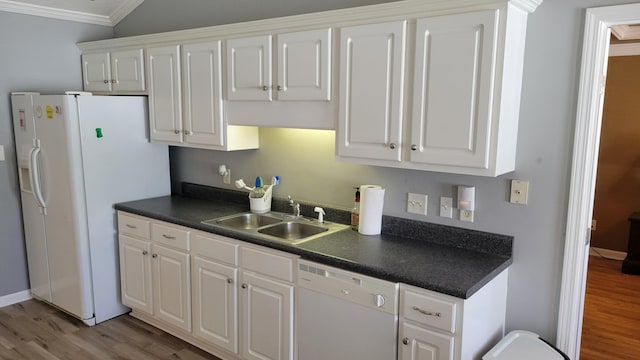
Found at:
<point>355,212</point>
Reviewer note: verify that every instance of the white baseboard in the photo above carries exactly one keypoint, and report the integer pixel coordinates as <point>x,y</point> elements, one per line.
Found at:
<point>608,254</point>
<point>15,298</point>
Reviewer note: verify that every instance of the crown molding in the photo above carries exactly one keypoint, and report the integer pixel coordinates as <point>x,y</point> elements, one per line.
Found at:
<point>70,15</point>
<point>396,10</point>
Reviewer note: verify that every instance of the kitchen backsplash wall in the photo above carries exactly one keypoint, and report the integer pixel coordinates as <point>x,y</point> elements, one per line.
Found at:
<point>305,162</point>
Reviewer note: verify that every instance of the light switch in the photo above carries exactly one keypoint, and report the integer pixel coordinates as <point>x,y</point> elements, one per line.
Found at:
<point>1,152</point>
<point>417,204</point>
<point>446,207</point>
<point>519,192</point>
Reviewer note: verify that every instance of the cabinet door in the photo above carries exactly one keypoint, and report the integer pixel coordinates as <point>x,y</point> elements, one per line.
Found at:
<point>135,273</point>
<point>249,74</point>
<point>215,313</point>
<point>96,72</point>
<point>370,117</point>
<point>454,71</point>
<point>127,69</point>
<point>304,65</point>
<point>165,110</point>
<point>203,114</point>
<point>267,318</point>
<point>172,287</point>
<point>417,343</point>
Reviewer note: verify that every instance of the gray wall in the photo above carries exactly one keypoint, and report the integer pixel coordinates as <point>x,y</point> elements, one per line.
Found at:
<point>310,173</point>
<point>38,54</point>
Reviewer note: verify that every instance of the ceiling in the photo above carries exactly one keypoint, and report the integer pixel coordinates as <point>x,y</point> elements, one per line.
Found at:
<point>98,12</point>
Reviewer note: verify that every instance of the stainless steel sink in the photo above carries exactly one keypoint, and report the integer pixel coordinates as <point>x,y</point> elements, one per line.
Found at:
<point>293,230</point>
<point>244,221</point>
<point>275,226</point>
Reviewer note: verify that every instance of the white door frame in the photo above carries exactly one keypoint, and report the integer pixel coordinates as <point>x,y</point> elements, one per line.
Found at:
<point>583,169</point>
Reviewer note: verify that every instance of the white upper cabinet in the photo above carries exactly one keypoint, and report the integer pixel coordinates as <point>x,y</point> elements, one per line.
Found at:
<point>203,112</point>
<point>249,71</point>
<point>303,67</point>
<point>452,92</point>
<point>415,84</point>
<point>165,104</point>
<point>114,71</point>
<point>185,99</point>
<point>371,91</point>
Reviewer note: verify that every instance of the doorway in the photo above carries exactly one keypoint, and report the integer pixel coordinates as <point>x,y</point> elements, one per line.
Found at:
<point>583,172</point>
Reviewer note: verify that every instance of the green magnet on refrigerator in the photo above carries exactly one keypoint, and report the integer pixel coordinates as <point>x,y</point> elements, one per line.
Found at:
<point>98,133</point>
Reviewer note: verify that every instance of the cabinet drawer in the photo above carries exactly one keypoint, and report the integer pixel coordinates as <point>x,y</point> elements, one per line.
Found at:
<point>215,247</point>
<point>133,226</point>
<point>426,309</point>
<point>170,235</point>
<point>267,262</point>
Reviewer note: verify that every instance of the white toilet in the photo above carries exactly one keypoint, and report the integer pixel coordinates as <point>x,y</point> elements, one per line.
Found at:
<point>524,345</point>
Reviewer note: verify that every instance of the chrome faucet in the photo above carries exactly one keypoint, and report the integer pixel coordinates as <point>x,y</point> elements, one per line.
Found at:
<point>295,206</point>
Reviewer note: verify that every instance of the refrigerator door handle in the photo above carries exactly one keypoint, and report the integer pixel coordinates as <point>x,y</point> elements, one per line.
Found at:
<point>34,171</point>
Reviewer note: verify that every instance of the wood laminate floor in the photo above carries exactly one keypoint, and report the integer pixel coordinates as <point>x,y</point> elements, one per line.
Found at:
<point>32,330</point>
<point>611,325</point>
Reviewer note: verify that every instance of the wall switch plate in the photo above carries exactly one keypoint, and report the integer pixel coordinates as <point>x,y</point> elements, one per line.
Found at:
<point>417,204</point>
<point>519,192</point>
<point>1,152</point>
<point>446,207</point>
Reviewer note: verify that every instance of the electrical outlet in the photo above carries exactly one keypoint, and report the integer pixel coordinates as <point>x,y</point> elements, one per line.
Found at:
<point>417,204</point>
<point>594,222</point>
<point>466,215</point>
<point>446,207</point>
<point>226,178</point>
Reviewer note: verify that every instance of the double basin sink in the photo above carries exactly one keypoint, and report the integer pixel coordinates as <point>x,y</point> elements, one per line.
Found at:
<point>275,226</point>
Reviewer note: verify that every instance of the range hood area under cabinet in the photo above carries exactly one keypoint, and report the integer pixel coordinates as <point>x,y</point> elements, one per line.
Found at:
<point>422,84</point>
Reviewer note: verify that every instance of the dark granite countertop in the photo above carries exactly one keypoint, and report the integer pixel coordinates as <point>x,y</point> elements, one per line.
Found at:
<point>445,259</point>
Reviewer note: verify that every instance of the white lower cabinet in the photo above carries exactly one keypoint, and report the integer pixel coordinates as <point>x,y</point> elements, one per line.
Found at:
<point>135,273</point>
<point>236,300</point>
<point>232,299</point>
<point>417,343</point>
<point>267,318</point>
<point>155,269</point>
<point>435,326</point>
<point>215,290</point>
<point>172,286</point>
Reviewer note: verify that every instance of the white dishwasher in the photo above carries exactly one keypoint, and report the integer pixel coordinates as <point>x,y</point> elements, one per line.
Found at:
<point>342,315</point>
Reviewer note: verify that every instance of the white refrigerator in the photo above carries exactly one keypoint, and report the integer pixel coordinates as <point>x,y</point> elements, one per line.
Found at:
<point>77,156</point>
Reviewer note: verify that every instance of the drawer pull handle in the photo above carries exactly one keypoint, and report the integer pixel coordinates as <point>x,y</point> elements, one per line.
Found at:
<point>168,237</point>
<point>154,255</point>
<point>425,312</point>
<point>244,286</point>
<point>405,341</point>
<point>131,226</point>
<point>145,252</point>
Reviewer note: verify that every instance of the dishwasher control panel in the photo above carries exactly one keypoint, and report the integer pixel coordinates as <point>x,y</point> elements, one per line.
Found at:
<point>361,289</point>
